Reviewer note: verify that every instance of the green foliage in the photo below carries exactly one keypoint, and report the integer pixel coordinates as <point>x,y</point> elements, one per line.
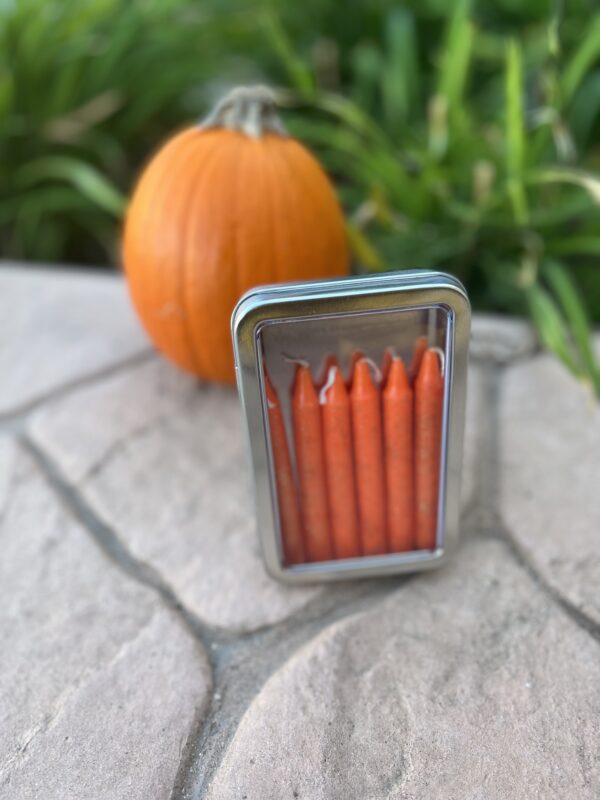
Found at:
<point>87,90</point>
<point>461,135</point>
<point>475,150</point>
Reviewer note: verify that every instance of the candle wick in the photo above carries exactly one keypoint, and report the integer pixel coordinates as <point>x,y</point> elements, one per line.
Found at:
<point>374,369</point>
<point>294,360</point>
<point>328,384</point>
<point>442,357</point>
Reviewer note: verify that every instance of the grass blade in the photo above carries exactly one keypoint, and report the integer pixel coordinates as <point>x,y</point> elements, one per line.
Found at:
<point>575,245</point>
<point>367,67</point>
<point>581,61</point>
<point>400,76</point>
<point>586,180</point>
<point>566,292</point>
<point>84,177</point>
<point>362,249</point>
<point>515,132</point>
<point>456,55</point>
<point>551,326</point>
<point>299,74</point>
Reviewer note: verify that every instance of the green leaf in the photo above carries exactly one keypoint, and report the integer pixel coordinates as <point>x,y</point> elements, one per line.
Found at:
<point>582,60</point>
<point>586,180</point>
<point>400,76</point>
<point>299,74</point>
<point>6,93</point>
<point>573,308</point>
<point>362,249</point>
<point>367,67</point>
<point>84,177</point>
<point>352,115</point>
<point>575,245</point>
<point>515,132</point>
<point>551,326</point>
<point>41,201</point>
<point>560,208</point>
<point>584,110</point>
<point>456,56</point>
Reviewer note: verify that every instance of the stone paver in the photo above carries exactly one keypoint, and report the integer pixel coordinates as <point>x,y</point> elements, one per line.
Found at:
<point>156,427</point>
<point>162,458</point>
<point>476,681</point>
<point>549,477</point>
<point>100,686</point>
<point>497,339</point>
<point>464,684</point>
<point>57,327</point>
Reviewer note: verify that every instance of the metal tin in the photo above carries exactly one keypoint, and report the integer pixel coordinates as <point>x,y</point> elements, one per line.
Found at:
<point>340,317</point>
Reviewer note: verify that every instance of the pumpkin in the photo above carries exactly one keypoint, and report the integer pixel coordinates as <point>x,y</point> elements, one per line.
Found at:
<point>225,206</point>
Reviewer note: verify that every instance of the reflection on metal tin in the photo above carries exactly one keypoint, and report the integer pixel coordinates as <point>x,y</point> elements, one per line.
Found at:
<point>354,396</point>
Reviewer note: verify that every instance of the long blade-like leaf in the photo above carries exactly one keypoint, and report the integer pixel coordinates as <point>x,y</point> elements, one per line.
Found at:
<point>400,77</point>
<point>582,60</point>
<point>456,55</point>
<point>587,181</point>
<point>572,305</point>
<point>299,74</point>
<point>84,177</point>
<point>515,131</point>
<point>551,326</point>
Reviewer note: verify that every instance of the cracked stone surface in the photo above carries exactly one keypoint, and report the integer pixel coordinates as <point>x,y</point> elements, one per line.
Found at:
<point>129,556</point>
<point>162,458</point>
<point>70,325</point>
<point>100,684</point>
<point>550,446</point>
<point>464,683</point>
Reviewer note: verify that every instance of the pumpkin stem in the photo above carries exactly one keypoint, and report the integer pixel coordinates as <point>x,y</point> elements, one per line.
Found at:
<point>248,109</point>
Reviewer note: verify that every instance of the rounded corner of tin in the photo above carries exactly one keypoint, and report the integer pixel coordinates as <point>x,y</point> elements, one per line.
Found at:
<point>241,314</point>
<point>276,571</point>
<point>453,285</point>
<point>465,304</point>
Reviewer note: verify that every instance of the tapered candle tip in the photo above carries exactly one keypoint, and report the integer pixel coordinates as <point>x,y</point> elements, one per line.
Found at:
<point>430,366</point>
<point>328,362</point>
<point>303,385</point>
<point>362,377</point>
<point>362,374</point>
<point>335,388</point>
<point>397,378</point>
<point>338,381</point>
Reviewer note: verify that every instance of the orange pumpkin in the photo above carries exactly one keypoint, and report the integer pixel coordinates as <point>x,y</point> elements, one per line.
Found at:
<point>221,208</point>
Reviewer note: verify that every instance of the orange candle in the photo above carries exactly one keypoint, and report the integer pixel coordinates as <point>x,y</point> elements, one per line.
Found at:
<point>429,400</point>
<point>287,498</point>
<point>310,461</point>
<point>367,435</point>
<point>418,351</point>
<point>356,356</point>
<point>341,489</point>
<point>398,442</point>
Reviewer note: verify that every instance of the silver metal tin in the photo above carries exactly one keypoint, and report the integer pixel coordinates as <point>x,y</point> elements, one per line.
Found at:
<point>325,300</point>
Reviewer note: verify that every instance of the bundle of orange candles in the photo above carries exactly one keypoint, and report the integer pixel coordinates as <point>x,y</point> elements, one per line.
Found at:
<point>364,478</point>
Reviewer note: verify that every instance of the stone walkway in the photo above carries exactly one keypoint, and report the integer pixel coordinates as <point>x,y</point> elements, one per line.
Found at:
<point>146,654</point>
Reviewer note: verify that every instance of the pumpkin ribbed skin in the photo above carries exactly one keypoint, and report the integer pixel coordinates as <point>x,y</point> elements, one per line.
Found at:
<point>215,213</point>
